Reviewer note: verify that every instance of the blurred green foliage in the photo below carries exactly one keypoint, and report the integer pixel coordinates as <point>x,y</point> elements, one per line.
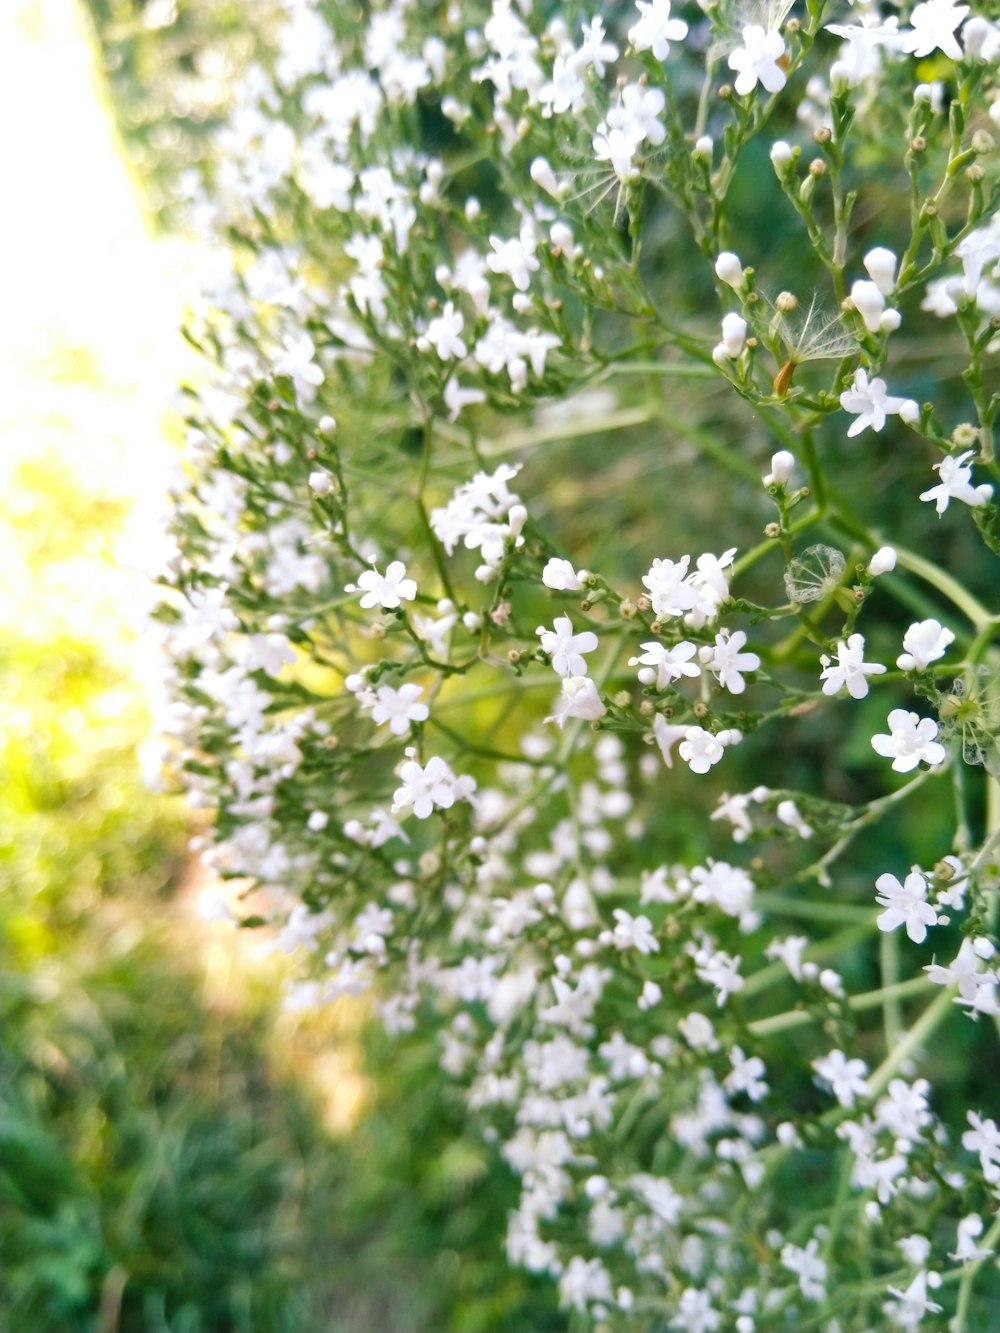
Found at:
<point>170,66</point>
<point>162,1168</point>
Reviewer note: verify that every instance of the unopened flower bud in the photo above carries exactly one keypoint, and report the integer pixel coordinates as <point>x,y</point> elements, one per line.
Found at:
<point>880,265</point>
<point>544,177</point>
<point>734,331</point>
<point>703,147</point>
<point>909,413</point>
<point>327,425</point>
<point>890,321</point>
<point>982,142</point>
<point>320,483</point>
<point>729,270</point>
<point>869,302</point>
<point>517,516</point>
<point>882,562</point>
<point>781,468</point>
<point>782,155</point>
<point>786,302</point>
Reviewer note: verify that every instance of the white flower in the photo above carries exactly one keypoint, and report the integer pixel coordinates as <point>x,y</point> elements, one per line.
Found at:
<point>297,362</point>
<point>561,576</point>
<point>580,698</point>
<point>975,987</point>
<point>911,740</point>
<point>456,398</point>
<point>808,1267</point>
<point>399,707</point>
<point>725,660</point>
<point>905,904</point>
<point>669,593</point>
<point>851,670</point>
<point>967,1251</point>
<point>788,813</point>
<point>565,648</point>
<point>514,258</point>
<point>443,333</point>
<point>845,1078</point>
<point>934,24</point>
<point>984,1138</point>
<point>956,484</point>
<point>923,643</point>
<point>656,29</point>
<point>432,785</point>
<point>756,61</point>
<point>667,737</point>
<point>871,404</point>
<point>634,932</point>
<point>387,590</point>
<point>662,665</point>
<point>700,749</point>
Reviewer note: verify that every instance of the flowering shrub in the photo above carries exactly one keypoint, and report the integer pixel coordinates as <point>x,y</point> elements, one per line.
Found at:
<point>484,759</point>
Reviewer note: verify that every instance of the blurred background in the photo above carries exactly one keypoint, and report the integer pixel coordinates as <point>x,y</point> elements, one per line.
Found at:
<point>178,1153</point>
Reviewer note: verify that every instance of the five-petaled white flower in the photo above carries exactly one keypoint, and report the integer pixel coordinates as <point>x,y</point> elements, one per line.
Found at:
<point>725,660</point>
<point>700,749</point>
<point>923,643</point>
<point>566,648</point>
<point>430,785</point>
<point>845,1078</point>
<point>933,29</point>
<point>399,707</point>
<point>956,484</point>
<point>757,60</point>
<point>387,590</point>
<point>656,29</point>
<point>634,932</point>
<point>871,404</point>
<point>910,741</point>
<point>443,333</point>
<point>851,669</point>
<point>661,665</point>
<point>906,905</point>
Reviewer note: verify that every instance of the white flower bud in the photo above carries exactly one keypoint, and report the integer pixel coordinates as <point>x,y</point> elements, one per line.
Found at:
<point>472,621</point>
<point>910,412</point>
<point>734,331</point>
<point>781,468</point>
<point>995,113</point>
<point>880,265</point>
<point>729,270</point>
<point>472,208</point>
<point>882,562</point>
<point>869,303</point>
<point>782,154</point>
<point>517,516</point>
<point>320,483</point>
<point>841,76</point>
<point>890,321</point>
<point>704,147</point>
<point>327,425</point>
<point>545,178</point>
